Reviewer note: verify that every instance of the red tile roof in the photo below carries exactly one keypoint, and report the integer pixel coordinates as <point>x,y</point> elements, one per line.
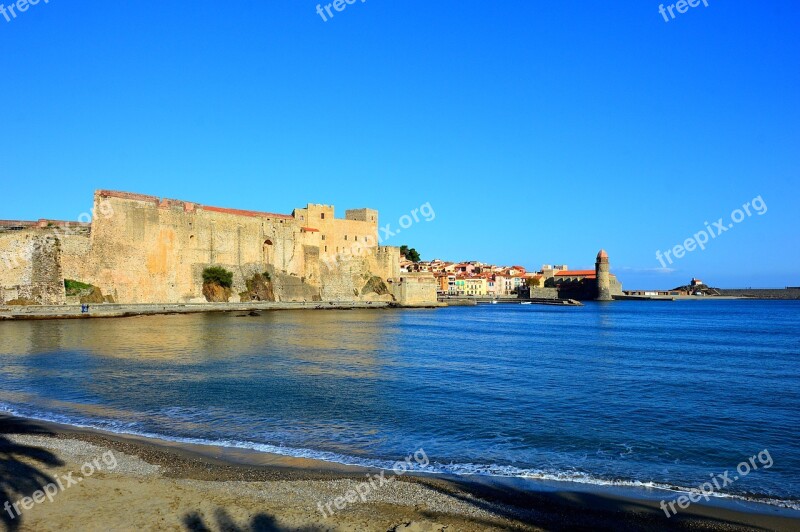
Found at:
<point>189,206</point>
<point>238,212</point>
<point>589,274</point>
<point>16,223</point>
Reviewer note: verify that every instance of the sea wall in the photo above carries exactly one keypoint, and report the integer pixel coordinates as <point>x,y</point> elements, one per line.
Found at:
<point>761,293</point>
<point>543,293</point>
<point>415,289</point>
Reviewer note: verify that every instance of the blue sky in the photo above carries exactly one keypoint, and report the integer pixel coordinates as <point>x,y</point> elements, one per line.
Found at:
<point>539,132</point>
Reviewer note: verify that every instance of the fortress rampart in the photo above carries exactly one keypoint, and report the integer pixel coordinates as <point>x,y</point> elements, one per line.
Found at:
<point>144,249</point>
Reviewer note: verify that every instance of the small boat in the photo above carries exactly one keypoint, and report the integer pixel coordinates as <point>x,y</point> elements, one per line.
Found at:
<point>526,303</point>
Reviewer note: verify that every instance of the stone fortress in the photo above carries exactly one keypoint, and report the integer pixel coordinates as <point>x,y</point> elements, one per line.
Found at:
<point>598,284</point>
<point>560,282</point>
<point>143,249</point>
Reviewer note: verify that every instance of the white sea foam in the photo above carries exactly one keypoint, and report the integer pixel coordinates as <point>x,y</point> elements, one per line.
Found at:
<point>458,469</point>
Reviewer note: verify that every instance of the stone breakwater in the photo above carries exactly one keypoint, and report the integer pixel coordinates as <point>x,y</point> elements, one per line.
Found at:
<point>761,293</point>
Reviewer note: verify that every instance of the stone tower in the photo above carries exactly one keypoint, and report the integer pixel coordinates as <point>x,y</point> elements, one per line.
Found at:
<point>603,277</point>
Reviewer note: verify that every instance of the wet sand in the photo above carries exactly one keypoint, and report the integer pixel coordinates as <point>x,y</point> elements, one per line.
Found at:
<point>159,485</point>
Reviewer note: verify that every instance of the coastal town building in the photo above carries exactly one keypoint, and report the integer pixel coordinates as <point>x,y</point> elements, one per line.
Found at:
<point>549,271</point>
<point>471,286</point>
<point>476,279</point>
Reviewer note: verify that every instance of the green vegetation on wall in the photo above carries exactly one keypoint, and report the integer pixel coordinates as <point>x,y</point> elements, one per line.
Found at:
<point>219,276</point>
<point>74,288</point>
<point>410,253</point>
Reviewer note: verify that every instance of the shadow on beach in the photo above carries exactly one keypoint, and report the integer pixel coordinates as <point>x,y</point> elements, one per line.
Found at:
<point>523,510</point>
<point>263,522</point>
<point>18,478</point>
<point>570,510</point>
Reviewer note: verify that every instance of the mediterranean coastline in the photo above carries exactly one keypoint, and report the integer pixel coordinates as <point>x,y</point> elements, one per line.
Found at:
<point>219,486</point>
<point>400,267</point>
<point>253,389</point>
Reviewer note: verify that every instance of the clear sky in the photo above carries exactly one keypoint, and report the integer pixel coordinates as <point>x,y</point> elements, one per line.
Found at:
<point>539,132</point>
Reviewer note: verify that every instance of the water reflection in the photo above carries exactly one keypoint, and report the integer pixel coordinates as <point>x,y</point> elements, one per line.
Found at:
<point>594,389</point>
<point>341,342</point>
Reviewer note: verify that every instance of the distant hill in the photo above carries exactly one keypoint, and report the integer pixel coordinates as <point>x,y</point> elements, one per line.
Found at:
<point>702,288</point>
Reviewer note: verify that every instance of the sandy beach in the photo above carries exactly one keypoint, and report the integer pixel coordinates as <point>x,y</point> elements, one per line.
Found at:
<point>157,485</point>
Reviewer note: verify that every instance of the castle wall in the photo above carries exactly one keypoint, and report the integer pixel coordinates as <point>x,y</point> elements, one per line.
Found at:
<point>615,287</point>
<point>415,289</point>
<point>144,249</point>
<point>30,267</point>
<point>387,262</point>
<point>75,256</point>
<point>15,264</point>
<point>154,250</point>
<point>354,235</point>
<point>543,293</point>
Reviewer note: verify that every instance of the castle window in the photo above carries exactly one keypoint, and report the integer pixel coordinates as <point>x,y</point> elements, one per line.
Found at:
<point>323,237</point>
<point>356,238</point>
<point>326,249</point>
<point>345,237</point>
<point>322,216</point>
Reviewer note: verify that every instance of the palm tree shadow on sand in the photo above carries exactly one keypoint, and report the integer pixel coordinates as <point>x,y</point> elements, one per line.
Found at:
<point>263,522</point>
<point>17,478</point>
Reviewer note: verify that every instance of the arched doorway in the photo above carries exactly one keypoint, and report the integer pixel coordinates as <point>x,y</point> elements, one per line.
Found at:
<point>268,253</point>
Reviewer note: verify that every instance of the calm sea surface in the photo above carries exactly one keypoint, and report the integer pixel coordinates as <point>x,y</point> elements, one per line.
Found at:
<point>627,393</point>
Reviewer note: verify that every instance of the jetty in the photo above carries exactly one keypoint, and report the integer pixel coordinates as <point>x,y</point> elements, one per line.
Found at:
<point>473,301</point>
